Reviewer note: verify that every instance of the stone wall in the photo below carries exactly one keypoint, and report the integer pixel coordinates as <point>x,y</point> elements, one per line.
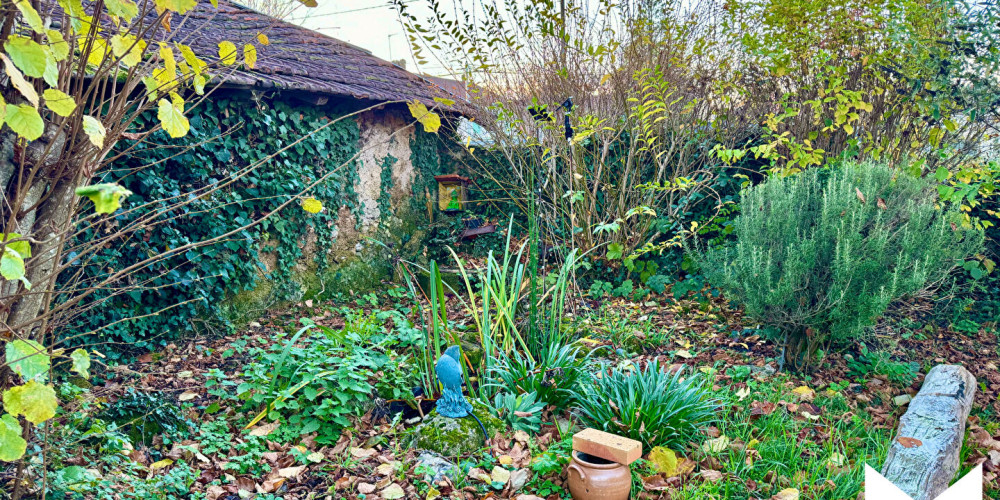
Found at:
<point>384,187</point>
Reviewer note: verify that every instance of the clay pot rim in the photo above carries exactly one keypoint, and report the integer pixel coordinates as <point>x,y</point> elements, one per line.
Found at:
<point>592,465</point>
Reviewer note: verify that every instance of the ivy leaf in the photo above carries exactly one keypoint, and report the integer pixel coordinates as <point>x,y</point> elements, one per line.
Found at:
<point>250,55</point>
<point>172,119</point>
<point>28,359</point>
<point>59,102</point>
<point>178,6</point>
<point>430,120</point>
<point>227,53</point>
<point>81,362</point>
<point>17,79</point>
<point>106,197</point>
<point>30,15</point>
<point>312,205</point>
<point>94,130</point>
<point>37,402</point>
<point>12,445</point>
<point>27,55</point>
<point>24,120</point>
<point>125,9</point>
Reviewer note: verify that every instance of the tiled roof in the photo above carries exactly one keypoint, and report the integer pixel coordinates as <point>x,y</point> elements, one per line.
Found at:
<point>296,58</point>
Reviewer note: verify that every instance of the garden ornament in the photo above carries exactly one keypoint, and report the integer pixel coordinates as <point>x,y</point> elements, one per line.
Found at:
<point>452,403</point>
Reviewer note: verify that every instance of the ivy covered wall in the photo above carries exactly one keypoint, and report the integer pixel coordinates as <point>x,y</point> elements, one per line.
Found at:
<point>294,255</point>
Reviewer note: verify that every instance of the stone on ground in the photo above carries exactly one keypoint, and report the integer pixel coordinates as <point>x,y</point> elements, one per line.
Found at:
<point>453,437</point>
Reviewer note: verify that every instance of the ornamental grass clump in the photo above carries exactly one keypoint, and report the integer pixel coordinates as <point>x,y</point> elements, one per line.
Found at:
<point>820,255</point>
<point>649,405</point>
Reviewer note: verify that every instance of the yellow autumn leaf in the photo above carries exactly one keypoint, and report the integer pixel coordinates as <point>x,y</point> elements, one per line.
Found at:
<point>312,205</point>
<point>263,39</point>
<point>430,120</point>
<point>250,55</point>
<point>227,53</point>
<point>804,393</point>
<point>664,460</point>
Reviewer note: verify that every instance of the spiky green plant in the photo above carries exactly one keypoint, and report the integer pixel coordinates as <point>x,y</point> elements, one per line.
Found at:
<point>649,405</point>
<point>553,376</point>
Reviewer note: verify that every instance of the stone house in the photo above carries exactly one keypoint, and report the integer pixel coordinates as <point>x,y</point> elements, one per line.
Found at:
<point>300,81</point>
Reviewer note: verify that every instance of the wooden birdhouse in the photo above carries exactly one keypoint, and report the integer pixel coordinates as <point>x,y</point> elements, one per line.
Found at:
<point>452,192</point>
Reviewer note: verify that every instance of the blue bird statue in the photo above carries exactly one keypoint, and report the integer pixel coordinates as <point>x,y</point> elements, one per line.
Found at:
<point>449,371</point>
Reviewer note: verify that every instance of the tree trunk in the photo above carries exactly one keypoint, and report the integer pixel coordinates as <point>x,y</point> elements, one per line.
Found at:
<point>924,457</point>
<point>51,225</point>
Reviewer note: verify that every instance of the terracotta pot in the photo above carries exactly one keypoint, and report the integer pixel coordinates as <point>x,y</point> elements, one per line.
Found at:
<point>593,478</point>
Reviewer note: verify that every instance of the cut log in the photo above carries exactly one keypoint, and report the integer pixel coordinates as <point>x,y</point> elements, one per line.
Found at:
<point>923,457</point>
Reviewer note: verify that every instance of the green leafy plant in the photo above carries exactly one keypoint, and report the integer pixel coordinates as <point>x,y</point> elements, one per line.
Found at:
<point>821,255</point>
<point>553,377</point>
<point>520,411</point>
<point>319,378</point>
<point>648,405</point>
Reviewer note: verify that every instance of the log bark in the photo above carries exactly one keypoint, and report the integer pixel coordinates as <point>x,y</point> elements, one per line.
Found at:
<point>924,456</point>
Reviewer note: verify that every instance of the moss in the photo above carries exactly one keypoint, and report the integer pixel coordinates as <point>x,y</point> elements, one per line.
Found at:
<point>453,437</point>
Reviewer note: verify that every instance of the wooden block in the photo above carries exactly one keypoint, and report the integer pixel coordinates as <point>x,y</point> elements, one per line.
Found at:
<point>607,446</point>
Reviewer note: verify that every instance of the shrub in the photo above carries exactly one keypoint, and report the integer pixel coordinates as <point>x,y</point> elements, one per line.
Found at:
<point>821,255</point>
<point>553,377</point>
<point>650,405</point>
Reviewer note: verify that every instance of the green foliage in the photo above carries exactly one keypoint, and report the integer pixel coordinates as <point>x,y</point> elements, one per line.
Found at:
<point>317,381</point>
<point>553,377</point>
<point>144,415</point>
<point>648,405</point>
<point>820,255</point>
<point>226,135</point>
<point>521,412</point>
<point>880,362</point>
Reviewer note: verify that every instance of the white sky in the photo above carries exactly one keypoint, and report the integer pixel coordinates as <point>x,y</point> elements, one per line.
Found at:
<point>370,24</point>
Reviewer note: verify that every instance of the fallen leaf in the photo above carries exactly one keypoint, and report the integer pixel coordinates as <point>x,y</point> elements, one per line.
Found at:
<point>366,488</point>
<point>743,393</point>
<point>712,475</point>
<point>187,396</point>
<point>684,353</point>
<point>272,485</point>
<point>315,457</point>
<point>505,459</point>
<point>264,430</point>
<point>804,393</point>
<point>291,472</point>
<point>862,198</point>
<point>500,475</point>
<point>155,466</point>
<point>787,494</point>
<point>909,442</point>
<point>363,452</point>
<point>717,445</point>
<point>664,460</point>
<point>881,203</point>
<point>392,492</point>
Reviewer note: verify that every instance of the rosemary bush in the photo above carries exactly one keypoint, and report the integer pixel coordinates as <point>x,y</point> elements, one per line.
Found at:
<point>821,255</point>
<point>650,405</point>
